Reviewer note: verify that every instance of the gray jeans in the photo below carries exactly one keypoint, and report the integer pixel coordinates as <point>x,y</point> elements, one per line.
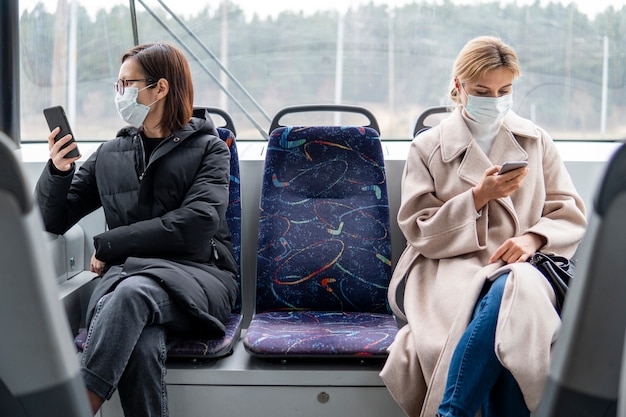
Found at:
<point>126,346</point>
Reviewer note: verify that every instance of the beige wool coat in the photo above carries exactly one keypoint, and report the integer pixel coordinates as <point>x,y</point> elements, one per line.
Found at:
<point>445,263</point>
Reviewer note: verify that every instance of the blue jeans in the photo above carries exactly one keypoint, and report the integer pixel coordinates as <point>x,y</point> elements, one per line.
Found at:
<point>476,377</point>
<point>126,346</point>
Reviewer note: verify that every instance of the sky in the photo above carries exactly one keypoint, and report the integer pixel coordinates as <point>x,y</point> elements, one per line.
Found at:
<point>273,7</point>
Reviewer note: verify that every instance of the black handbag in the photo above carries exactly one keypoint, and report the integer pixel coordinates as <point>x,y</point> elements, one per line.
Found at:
<point>558,270</point>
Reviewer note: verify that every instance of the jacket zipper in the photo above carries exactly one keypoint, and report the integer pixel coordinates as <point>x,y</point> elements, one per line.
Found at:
<point>143,155</point>
<point>214,249</point>
<point>143,159</point>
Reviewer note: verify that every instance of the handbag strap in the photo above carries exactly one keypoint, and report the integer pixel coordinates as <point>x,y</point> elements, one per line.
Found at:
<point>540,257</point>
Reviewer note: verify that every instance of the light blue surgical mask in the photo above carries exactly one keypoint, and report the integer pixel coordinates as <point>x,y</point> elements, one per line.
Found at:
<point>488,110</point>
<point>129,109</point>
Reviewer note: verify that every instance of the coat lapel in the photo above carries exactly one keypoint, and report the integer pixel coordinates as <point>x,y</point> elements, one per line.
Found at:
<point>459,143</point>
<point>507,148</point>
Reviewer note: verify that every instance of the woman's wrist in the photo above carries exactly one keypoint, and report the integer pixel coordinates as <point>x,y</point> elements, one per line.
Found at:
<point>540,241</point>
<point>479,202</point>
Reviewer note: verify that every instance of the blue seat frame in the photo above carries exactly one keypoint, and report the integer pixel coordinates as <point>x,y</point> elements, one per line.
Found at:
<point>204,348</point>
<point>324,249</point>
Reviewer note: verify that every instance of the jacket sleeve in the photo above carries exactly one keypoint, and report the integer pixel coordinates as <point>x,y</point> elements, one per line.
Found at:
<point>64,198</point>
<point>184,232</point>
<point>436,228</point>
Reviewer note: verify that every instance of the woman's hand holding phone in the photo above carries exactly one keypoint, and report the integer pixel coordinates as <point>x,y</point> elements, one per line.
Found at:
<point>63,148</point>
<point>496,185</point>
<point>59,150</point>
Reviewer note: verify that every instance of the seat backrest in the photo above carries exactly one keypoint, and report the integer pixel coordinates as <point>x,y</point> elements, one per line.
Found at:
<point>421,124</point>
<point>372,123</point>
<point>39,374</point>
<point>203,348</point>
<point>324,235</point>
<point>585,370</point>
<point>228,124</point>
<point>233,212</point>
<point>227,133</point>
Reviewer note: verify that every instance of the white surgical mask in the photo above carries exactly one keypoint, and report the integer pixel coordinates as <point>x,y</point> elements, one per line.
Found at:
<point>129,109</point>
<point>488,110</point>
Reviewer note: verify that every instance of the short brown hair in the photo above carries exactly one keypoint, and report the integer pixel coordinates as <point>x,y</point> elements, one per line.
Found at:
<point>163,60</point>
<point>480,55</point>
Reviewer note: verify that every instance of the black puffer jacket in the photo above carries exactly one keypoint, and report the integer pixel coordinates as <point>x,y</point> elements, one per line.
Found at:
<point>166,219</point>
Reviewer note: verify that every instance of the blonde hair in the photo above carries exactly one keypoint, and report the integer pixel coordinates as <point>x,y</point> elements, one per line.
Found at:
<point>478,56</point>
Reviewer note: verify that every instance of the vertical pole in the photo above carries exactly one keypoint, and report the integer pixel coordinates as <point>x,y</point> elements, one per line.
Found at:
<point>58,66</point>
<point>605,85</point>
<point>72,56</point>
<point>10,69</point>
<point>133,21</point>
<point>224,55</point>
<point>391,94</point>
<point>339,64</point>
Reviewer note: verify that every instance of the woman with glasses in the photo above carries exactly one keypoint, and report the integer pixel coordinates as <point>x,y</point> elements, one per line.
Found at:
<point>166,261</point>
<point>481,320</point>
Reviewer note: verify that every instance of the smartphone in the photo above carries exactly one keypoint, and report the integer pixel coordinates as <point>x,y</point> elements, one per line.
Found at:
<point>511,166</point>
<point>55,116</point>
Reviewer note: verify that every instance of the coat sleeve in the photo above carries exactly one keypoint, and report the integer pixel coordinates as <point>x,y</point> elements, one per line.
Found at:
<point>436,228</point>
<point>184,232</point>
<point>563,221</point>
<point>64,198</point>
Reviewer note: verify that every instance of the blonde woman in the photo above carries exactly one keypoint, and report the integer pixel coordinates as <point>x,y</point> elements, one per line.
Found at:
<point>481,320</point>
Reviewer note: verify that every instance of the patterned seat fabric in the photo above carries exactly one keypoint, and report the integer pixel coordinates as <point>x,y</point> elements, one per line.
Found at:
<point>204,348</point>
<point>321,334</point>
<point>215,348</point>
<point>194,348</point>
<point>324,250</point>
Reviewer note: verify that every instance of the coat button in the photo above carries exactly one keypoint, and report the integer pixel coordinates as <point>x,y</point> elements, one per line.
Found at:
<point>176,139</point>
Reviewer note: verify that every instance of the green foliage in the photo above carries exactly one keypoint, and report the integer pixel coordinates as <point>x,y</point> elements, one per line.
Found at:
<point>291,58</point>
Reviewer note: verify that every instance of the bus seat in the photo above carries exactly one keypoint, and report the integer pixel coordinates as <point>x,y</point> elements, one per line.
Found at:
<point>324,249</point>
<point>205,348</point>
<point>227,121</point>
<point>312,108</point>
<point>214,348</point>
<point>585,371</point>
<point>421,123</point>
<point>34,382</point>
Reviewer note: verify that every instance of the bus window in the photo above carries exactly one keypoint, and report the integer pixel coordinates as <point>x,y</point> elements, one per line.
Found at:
<point>392,57</point>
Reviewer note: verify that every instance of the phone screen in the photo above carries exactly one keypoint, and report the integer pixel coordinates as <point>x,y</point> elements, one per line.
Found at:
<point>511,166</point>
<point>55,116</point>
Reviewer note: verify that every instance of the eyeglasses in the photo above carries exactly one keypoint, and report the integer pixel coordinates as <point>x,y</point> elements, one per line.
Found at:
<point>121,85</point>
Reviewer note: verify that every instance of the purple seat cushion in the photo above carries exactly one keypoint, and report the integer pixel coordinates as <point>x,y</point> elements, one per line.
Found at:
<point>321,334</point>
<point>208,348</point>
<point>194,348</point>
